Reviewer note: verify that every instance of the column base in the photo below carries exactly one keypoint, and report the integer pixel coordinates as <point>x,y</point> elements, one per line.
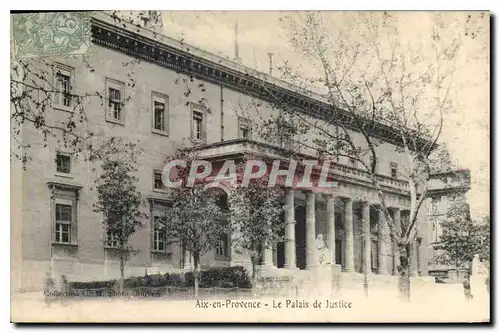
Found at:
<point>292,267</point>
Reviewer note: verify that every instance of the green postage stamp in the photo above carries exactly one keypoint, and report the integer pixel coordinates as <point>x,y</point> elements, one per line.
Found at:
<point>50,34</point>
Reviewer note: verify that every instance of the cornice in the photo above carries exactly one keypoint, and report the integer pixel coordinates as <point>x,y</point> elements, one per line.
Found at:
<point>340,172</point>
<point>135,44</point>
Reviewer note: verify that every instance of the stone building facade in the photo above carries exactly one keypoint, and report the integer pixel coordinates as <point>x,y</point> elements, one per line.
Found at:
<point>445,189</point>
<point>175,95</point>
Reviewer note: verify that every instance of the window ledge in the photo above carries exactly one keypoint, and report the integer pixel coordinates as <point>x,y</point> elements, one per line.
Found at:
<point>65,244</point>
<point>159,132</point>
<point>63,108</point>
<point>159,190</point>
<point>117,122</point>
<point>106,247</point>
<point>161,252</point>
<point>64,175</point>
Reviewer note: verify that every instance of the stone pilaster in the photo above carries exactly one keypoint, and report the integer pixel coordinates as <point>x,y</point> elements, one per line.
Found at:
<point>349,236</point>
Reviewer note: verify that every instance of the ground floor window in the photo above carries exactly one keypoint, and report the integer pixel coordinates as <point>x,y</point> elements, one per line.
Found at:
<point>159,239</point>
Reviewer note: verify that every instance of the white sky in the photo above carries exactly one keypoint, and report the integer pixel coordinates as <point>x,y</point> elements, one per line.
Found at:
<point>466,133</point>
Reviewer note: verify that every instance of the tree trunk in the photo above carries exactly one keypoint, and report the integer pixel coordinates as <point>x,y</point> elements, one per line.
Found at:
<point>122,273</point>
<point>404,273</point>
<point>196,274</point>
<point>254,275</point>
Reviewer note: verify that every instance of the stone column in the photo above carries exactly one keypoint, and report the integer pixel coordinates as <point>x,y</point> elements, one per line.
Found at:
<point>349,236</point>
<point>330,223</point>
<point>290,260</point>
<point>311,252</point>
<point>397,223</point>
<point>384,242</point>
<point>367,239</point>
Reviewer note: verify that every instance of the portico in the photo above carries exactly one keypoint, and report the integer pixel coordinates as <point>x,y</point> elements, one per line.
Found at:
<point>348,216</point>
<point>354,231</point>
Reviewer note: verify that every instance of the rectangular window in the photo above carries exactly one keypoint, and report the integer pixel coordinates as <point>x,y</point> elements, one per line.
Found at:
<point>159,239</point>
<point>433,206</point>
<point>158,183</point>
<point>159,116</point>
<point>111,239</point>
<point>114,91</point>
<point>63,163</point>
<point>376,164</point>
<point>352,162</point>
<point>244,128</point>
<point>394,170</point>
<point>321,149</point>
<point>160,113</point>
<point>63,87</point>
<point>287,133</point>
<point>115,103</point>
<point>64,218</point>
<point>198,133</point>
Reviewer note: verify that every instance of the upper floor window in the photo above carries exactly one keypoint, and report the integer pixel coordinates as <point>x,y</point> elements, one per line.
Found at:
<point>63,163</point>
<point>160,114</point>
<point>244,128</point>
<point>287,133</point>
<point>158,182</point>
<point>433,206</point>
<point>198,129</point>
<point>322,149</point>
<point>394,170</point>
<point>63,85</point>
<point>352,162</point>
<point>114,96</point>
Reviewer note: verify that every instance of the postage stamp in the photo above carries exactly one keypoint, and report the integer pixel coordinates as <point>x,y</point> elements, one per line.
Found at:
<point>50,34</point>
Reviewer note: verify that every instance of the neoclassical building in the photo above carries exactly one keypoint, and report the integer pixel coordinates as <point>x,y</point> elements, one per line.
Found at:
<point>445,189</point>
<point>174,96</point>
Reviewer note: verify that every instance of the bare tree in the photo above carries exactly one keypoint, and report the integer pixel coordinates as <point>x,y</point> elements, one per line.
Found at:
<point>38,89</point>
<point>374,80</point>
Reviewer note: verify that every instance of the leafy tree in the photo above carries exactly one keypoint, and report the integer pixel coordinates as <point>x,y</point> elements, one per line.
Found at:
<point>460,239</point>
<point>484,240</point>
<point>256,213</point>
<point>34,92</point>
<point>195,218</point>
<point>118,198</point>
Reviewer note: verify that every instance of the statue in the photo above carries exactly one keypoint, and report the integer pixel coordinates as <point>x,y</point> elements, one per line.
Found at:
<point>324,256</point>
